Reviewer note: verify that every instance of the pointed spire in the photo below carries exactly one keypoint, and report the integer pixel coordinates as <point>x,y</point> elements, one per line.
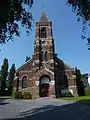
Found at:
<point>43,17</point>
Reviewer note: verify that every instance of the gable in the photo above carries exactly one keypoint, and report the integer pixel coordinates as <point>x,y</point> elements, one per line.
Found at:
<point>45,70</point>
<point>26,66</point>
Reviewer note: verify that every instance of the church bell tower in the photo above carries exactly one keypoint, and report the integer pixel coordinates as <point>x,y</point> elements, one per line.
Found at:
<point>44,44</point>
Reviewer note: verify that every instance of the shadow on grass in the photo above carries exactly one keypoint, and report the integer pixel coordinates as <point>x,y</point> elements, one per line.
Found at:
<point>71,111</point>
<point>86,102</point>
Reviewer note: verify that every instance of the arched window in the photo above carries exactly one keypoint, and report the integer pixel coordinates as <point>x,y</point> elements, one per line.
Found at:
<point>24,82</point>
<point>43,32</point>
<point>45,55</point>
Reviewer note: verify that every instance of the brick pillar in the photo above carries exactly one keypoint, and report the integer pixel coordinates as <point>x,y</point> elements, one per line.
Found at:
<point>73,90</point>
<point>72,86</point>
<point>52,89</point>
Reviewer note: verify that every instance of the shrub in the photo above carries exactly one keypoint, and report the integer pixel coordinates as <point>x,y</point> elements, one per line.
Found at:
<point>18,95</point>
<point>15,95</point>
<point>27,95</point>
<point>67,94</point>
<point>87,91</point>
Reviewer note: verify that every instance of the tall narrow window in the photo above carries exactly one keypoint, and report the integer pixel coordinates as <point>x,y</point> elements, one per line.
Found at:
<point>43,32</point>
<point>45,55</point>
<point>42,58</point>
<point>24,82</point>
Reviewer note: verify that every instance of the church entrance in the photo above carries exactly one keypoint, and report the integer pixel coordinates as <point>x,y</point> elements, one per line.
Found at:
<point>44,87</point>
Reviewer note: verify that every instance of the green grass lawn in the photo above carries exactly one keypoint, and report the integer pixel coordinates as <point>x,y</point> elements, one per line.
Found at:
<point>76,98</point>
<point>82,99</point>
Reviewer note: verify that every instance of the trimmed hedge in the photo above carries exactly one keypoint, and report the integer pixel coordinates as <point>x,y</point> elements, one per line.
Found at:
<point>27,95</point>
<point>87,91</point>
<point>18,95</point>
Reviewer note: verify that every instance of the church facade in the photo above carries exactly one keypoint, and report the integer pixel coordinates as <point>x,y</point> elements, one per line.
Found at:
<point>45,74</point>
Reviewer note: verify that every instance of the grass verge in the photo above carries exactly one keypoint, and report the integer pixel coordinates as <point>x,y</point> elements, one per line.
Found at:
<point>82,99</point>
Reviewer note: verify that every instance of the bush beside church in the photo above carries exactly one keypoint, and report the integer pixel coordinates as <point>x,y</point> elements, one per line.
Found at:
<point>21,95</point>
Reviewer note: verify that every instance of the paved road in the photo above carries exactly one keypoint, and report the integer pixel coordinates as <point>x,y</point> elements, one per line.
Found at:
<point>43,109</point>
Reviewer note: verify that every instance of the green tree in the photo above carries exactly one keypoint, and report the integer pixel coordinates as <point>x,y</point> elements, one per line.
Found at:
<point>11,79</point>
<point>27,58</point>
<point>85,82</point>
<point>13,12</point>
<point>82,10</point>
<point>79,82</point>
<point>4,74</point>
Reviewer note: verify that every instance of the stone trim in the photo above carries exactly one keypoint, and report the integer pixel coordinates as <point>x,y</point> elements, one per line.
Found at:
<point>50,52</point>
<point>15,78</point>
<point>36,68</point>
<point>47,38</point>
<point>25,71</point>
<point>74,76</point>
<point>36,61</point>
<point>50,44</point>
<point>34,77</point>
<point>49,71</point>
<point>46,70</point>
<point>37,41</point>
<point>72,86</point>
<point>34,45</point>
<point>45,44</point>
<point>25,75</point>
<point>30,79</point>
<point>45,61</point>
<point>51,61</point>
<point>36,53</point>
<point>70,78</point>
<point>25,89</point>
<point>49,27</point>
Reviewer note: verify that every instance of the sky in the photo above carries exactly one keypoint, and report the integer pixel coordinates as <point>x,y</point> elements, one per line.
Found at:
<point>66,33</point>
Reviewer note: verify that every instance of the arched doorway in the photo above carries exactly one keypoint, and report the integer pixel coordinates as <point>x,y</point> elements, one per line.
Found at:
<point>44,86</point>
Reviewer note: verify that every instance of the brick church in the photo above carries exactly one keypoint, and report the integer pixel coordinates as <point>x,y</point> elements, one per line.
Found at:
<point>45,74</point>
